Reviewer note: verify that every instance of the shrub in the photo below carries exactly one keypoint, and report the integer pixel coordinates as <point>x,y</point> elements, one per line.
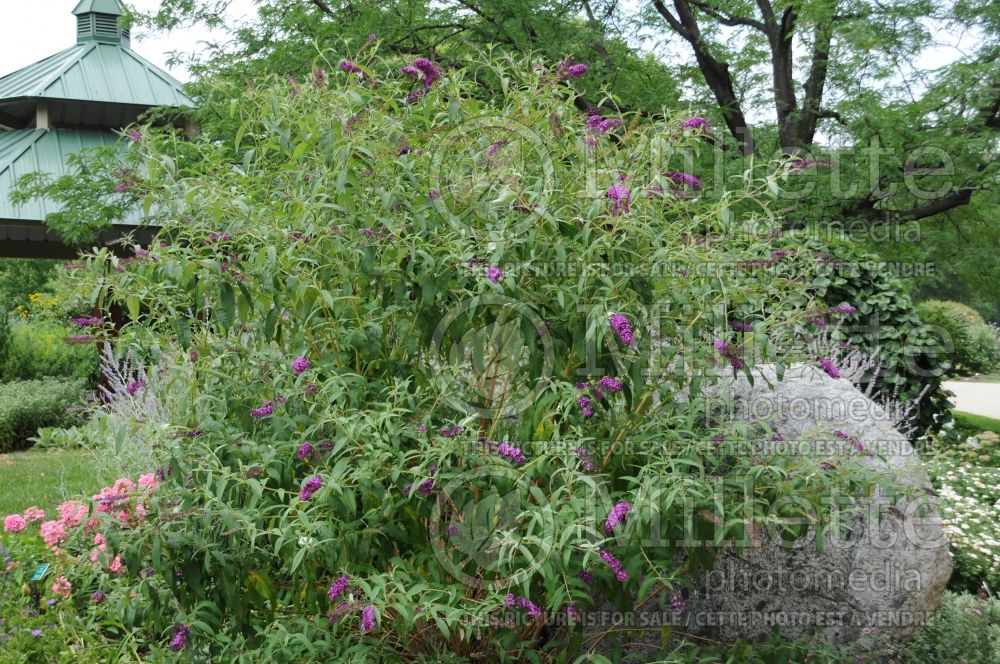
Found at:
<point>965,629</point>
<point>969,344</point>
<point>25,406</point>
<point>401,321</point>
<point>39,349</point>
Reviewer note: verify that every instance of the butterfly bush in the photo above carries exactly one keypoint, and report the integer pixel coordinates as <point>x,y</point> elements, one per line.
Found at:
<point>427,369</point>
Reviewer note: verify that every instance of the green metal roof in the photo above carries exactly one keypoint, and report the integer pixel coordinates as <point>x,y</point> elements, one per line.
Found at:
<point>94,71</point>
<point>114,7</point>
<point>29,150</point>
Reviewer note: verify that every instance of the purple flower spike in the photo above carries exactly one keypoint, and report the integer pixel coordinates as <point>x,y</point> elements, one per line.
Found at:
<point>610,383</point>
<point>311,486</point>
<point>300,365</point>
<point>305,451</point>
<point>621,200</point>
<point>615,566</point>
<point>179,639</point>
<point>585,406</point>
<point>494,274</point>
<point>699,123</point>
<point>617,516</point>
<point>263,411</point>
<point>829,367</point>
<point>338,587</point>
<point>622,327</point>
<point>683,178</point>
<point>368,618</point>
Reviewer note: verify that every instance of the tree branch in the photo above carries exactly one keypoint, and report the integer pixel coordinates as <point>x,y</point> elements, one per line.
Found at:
<point>729,19</point>
<point>323,7</point>
<point>715,72</point>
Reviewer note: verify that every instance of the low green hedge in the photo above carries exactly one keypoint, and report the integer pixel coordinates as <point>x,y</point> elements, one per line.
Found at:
<point>26,406</point>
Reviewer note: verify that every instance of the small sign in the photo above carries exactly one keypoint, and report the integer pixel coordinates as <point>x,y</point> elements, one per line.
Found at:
<point>40,572</point>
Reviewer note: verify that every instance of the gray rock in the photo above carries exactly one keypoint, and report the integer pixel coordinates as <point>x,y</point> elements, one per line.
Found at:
<point>884,578</point>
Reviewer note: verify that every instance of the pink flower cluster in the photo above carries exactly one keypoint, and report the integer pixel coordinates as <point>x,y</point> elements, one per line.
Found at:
<point>125,499</point>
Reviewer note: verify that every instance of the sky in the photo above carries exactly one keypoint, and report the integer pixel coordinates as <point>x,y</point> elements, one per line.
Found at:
<point>31,30</point>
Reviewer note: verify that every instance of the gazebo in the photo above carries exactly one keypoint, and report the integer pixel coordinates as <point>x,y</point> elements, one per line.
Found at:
<point>76,99</point>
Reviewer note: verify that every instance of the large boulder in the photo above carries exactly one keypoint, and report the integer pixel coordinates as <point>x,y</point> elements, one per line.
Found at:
<point>884,578</point>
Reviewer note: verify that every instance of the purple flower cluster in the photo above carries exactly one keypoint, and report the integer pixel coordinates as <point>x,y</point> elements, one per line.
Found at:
<point>620,324</point>
<point>266,410</point>
<point>494,274</point>
<point>847,309</point>
<point>319,76</point>
<point>510,601</point>
<point>85,321</point>
<point>599,126</point>
<point>98,597</point>
<point>424,489</point>
<point>179,639</point>
<point>311,486</point>
<point>368,618</point>
<point>830,367</point>
<point>300,365</point>
<point>609,383</point>
<point>586,577</point>
<point>134,135</point>
<point>683,178</point>
<point>615,566</point>
<point>569,70</point>
<point>494,147</point>
<point>699,123</point>
<point>855,443</point>
<point>802,164</point>
<point>339,611</point>
<point>215,236</point>
<point>616,516</point>
<point>586,405</point>
<point>728,352</point>
<point>677,602</point>
<point>431,73</point>
<point>305,451</point>
<point>349,67</point>
<point>621,200</point>
<point>583,454</point>
<point>338,588</point>
<point>738,326</point>
<point>505,450</point>
<point>450,431</point>
<point>134,386</point>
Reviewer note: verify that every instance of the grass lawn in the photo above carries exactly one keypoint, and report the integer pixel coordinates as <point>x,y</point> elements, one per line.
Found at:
<point>970,421</point>
<point>46,478</point>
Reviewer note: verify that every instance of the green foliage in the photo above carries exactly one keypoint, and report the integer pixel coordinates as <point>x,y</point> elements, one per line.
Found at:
<point>886,324</point>
<point>100,189</point>
<point>965,629</point>
<point>330,242</point>
<point>971,347</point>
<point>25,406</point>
<point>39,349</point>
<point>20,277</point>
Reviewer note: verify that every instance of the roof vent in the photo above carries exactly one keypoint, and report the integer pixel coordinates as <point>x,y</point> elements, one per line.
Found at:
<point>100,21</point>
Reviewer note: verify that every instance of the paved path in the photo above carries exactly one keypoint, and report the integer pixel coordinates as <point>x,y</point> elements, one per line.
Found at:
<point>976,398</point>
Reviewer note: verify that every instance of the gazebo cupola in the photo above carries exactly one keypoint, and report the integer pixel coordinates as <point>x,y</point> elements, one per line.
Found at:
<point>76,99</point>
<point>100,21</point>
